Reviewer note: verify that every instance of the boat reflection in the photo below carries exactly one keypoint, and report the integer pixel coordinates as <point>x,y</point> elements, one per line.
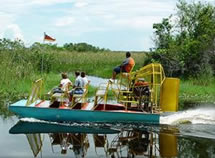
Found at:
<point>78,142</point>
<point>105,141</point>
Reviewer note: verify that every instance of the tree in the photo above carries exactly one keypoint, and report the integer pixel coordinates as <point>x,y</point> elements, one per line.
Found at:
<point>191,40</point>
<point>163,33</point>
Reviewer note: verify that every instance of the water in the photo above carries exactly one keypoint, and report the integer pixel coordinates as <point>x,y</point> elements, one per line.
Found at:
<point>95,81</point>
<point>186,134</point>
<point>193,136</point>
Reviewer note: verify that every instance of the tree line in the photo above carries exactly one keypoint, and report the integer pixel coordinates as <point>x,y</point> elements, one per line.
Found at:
<point>6,44</point>
<point>185,41</point>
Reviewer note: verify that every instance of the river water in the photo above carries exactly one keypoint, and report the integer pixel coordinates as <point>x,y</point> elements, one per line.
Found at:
<point>186,134</point>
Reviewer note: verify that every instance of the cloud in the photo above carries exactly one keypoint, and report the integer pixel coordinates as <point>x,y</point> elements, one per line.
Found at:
<point>49,2</point>
<point>81,4</point>
<point>5,20</point>
<point>16,31</point>
<point>65,21</point>
<point>87,15</point>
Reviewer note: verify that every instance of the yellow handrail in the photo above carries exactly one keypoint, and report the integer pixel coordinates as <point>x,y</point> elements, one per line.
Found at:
<point>35,92</point>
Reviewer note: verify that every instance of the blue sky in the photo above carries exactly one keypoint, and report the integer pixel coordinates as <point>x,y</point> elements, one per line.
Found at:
<point>113,24</point>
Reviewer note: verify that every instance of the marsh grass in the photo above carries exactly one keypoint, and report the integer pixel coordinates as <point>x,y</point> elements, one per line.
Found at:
<point>97,64</point>
<point>192,93</point>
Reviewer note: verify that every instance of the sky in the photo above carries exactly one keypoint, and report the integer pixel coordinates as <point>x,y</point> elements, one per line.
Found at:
<point>111,24</point>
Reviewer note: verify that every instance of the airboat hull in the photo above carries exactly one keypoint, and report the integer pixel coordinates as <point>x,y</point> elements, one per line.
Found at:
<point>79,115</point>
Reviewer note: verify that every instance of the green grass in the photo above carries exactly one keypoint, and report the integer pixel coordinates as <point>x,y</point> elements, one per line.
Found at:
<point>97,64</point>
<point>191,92</point>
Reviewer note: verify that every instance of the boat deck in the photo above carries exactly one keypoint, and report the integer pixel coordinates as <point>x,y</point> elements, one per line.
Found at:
<point>88,106</point>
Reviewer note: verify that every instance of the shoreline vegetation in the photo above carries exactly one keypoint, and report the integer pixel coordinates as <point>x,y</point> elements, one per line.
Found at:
<point>21,66</point>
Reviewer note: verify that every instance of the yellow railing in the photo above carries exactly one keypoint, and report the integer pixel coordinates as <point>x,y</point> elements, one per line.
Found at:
<point>101,94</point>
<point>153,74</point>
<point>35,92</point>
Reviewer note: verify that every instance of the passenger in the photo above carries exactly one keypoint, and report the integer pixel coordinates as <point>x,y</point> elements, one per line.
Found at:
<point>84,79</point>
<point>78,85</point>
<point>126,66</point>
<point>65,83</point>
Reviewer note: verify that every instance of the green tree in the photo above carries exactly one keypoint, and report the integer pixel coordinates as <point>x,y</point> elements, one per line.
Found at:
<point>163,34</point>
<point>189,41</point>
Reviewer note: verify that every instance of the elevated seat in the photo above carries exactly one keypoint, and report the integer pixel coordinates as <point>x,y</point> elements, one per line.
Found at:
<point>62,98</point>
<point>125,79</point>
<point>101,94</point>
<point>79,98</point>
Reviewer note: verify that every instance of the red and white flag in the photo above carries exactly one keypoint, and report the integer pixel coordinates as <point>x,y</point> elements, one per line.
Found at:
<point>48,38</point>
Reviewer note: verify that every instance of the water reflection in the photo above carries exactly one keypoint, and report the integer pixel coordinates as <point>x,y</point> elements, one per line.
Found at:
<point>104,141</point>
<point>78,142</point>
<point>35,142</point>
<point>4,112</point>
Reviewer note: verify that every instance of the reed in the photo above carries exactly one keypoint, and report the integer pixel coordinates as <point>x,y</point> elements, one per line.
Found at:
<point>98,64</point>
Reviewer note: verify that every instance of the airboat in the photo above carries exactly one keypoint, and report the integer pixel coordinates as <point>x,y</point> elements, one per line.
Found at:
<point>141,97</point>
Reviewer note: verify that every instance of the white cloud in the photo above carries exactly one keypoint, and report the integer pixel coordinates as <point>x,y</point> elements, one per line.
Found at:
<point>80,4</point>
<point>65,21</point>
<point>5,21</point>
<point>49,2</point>
<point>17,33</point>
<point>121,10</point>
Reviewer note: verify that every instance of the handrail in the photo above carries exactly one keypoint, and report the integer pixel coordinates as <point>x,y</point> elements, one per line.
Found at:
<point>35,93</point>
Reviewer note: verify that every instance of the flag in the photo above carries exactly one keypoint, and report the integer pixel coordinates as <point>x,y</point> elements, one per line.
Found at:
<point>48,38</point>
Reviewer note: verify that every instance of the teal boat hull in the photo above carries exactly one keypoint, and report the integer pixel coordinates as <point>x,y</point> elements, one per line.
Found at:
<point>75,115</point>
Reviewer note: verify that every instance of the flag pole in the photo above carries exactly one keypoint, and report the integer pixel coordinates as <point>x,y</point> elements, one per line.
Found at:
<point>50,39</point>
<point>43,53</point>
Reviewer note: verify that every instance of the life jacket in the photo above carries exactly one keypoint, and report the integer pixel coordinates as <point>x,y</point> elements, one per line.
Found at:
<point>130,64</point>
